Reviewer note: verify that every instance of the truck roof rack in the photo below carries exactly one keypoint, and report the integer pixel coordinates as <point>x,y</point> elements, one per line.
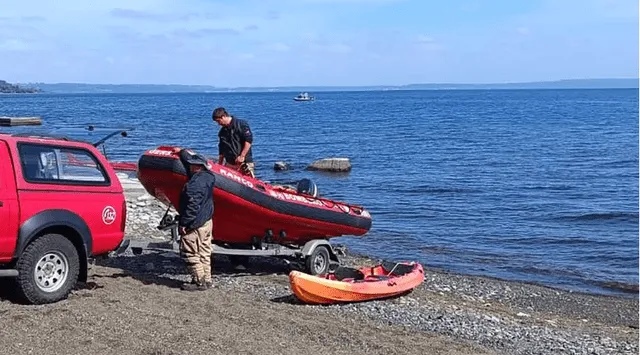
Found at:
<point>47,136</point>
<point>91,128</point>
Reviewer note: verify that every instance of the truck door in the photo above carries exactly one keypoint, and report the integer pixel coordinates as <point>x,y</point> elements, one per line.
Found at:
<point>9,208</point>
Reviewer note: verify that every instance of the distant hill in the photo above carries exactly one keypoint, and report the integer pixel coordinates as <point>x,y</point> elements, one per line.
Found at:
<point>170,88</point>
<point>117,88</point>
<point>7,88</point>
<point>558,84</point>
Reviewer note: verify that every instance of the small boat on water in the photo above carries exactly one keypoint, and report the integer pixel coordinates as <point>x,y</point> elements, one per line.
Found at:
<point>356,285</point>
<point>304,96</point>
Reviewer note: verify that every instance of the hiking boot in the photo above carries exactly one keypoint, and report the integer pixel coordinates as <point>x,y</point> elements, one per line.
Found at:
<point>196,284</point>
<point>208,284</point>
<point>194,287</point>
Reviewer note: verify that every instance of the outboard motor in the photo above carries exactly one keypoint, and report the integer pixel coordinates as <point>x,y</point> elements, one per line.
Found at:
<point>307,187</point>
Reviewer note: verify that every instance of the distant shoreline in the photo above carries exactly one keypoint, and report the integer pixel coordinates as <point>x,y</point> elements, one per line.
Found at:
<point>83,88</point>
<point>8,88</point>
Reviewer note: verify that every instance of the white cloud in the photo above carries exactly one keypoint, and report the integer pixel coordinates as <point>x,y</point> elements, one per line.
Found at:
<point>205,32</point>
<point>573,12</point>
<point>14,44</point>
<point>278,47</point>
<point>425,39</point>
<point>246,56</point>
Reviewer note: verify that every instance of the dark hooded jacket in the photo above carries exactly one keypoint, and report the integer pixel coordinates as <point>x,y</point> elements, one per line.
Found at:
<point>196,199</point>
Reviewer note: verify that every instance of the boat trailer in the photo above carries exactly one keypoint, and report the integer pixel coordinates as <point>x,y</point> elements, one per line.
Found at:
<point>315,257</point>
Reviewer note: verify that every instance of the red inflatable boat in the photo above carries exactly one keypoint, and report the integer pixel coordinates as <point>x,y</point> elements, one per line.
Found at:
<point>248,208</point>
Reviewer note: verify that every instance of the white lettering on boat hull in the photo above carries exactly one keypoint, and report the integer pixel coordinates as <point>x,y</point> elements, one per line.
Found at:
<point>236,178</point>
<point>165,153</point>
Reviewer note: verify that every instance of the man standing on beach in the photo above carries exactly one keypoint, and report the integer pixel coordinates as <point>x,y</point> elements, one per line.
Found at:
<point>196,220</point>
<point>235,141</point>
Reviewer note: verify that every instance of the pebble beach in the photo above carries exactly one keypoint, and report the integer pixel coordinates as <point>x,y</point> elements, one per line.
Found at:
<point>132,305</point>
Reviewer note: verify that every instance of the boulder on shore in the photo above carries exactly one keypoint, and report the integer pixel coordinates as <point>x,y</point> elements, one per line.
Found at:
<point>331,164</point>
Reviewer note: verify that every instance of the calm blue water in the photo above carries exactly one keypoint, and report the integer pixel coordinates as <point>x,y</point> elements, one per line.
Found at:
<point>533,185</point>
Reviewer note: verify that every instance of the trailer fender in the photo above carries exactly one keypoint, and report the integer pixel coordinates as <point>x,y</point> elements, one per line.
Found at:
<point>311,245</point>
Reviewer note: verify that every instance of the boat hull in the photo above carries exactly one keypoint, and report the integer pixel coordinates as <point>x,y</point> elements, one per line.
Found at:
<point>245,208</point>
<point>375,283</point>
<point>124,166</point>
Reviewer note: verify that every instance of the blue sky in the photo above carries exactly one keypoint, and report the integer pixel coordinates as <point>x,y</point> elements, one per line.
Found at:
<point>316,42</point>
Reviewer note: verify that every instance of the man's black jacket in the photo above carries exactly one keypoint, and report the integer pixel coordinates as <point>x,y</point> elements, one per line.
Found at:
<point>196,200</point>
<point>232,139</point>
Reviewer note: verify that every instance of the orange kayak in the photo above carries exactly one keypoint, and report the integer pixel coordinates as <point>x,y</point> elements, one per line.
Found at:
<point>356,285</point>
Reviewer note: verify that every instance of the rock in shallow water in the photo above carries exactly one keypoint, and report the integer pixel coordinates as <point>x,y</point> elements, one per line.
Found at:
<point>331,164</point>
<point>280,166</point>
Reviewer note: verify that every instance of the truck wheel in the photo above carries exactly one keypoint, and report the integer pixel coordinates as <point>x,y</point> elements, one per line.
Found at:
<point>48,269</point>
<point>318,262</point>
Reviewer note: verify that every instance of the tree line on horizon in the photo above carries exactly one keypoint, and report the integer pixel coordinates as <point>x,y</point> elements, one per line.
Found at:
<point>604,83</point>
<point>8,88</point>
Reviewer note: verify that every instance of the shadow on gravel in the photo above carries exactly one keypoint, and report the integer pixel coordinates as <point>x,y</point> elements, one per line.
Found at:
<point>159,268</point>
<point>293,300</point>
<point>150,269</point>
<point>9,293</point>
<point>7,287</point>
<point>289,299</point>
<point>254,267</point>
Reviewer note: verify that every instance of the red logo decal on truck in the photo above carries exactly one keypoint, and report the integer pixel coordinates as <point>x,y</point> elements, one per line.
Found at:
<point>108,215</point>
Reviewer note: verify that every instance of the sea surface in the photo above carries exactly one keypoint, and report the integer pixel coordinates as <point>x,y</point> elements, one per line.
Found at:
<point>531,185</point>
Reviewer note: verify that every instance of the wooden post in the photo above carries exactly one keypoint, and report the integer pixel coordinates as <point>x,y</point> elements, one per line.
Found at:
<point>20,121</point>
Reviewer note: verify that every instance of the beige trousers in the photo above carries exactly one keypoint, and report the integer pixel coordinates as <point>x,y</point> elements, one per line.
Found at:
<point>195,247</point>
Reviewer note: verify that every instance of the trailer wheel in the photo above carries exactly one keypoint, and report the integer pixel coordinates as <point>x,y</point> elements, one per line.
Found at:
<point>318,262</point>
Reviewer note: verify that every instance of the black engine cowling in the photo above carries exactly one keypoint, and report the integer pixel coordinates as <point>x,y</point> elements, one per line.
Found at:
<point>307,187</point>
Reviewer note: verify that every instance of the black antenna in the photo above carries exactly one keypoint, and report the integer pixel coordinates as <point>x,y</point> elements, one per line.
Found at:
<point>122,133</point>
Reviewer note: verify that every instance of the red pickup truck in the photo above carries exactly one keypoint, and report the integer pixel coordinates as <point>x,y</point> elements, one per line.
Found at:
<point>61,204</point>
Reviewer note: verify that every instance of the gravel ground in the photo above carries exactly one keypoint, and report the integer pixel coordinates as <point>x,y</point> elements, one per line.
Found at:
<point>132,305</point>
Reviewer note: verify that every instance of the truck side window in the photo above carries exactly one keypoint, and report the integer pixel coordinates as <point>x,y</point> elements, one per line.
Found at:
<point>51,164</point>
<point>79,165</point>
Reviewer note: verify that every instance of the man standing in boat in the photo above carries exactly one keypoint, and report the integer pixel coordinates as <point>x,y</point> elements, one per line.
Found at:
<point>196,220</point>
<point>235,141</point>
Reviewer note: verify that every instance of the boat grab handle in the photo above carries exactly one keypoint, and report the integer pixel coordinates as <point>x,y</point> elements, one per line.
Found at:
<point>394,268</point>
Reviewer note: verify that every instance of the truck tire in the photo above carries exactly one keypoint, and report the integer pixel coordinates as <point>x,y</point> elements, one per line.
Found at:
<point>48,269</point>
<point>318,262</point>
